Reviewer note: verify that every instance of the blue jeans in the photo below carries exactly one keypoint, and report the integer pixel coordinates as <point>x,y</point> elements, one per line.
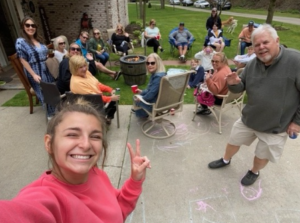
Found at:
<point>243,46</point>
<point>183,44</point>
<point>103,57</point>
<point>140,113</point>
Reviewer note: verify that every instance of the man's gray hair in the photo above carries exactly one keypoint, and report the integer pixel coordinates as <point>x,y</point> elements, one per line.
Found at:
<point>264,28</point>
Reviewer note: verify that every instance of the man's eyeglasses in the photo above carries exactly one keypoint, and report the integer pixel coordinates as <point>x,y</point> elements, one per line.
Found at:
<point>62,43</point>
<point>215,61</point>
<point>96,33</point>
<point>85,37</point>
<point>28,25</point>
<point>152,63</point>
<point>74,49</point>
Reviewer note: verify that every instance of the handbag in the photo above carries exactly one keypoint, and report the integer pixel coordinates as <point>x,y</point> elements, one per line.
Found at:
<point>204,97</point>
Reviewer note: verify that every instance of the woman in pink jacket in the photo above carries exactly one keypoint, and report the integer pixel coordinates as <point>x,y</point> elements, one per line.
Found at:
<point>75,189</point>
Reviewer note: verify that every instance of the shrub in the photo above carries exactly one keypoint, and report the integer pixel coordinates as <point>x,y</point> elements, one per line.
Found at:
<point>137,33</point>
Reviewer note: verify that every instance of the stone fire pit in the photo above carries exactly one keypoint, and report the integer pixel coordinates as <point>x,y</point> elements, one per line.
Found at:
<point>133,68</point>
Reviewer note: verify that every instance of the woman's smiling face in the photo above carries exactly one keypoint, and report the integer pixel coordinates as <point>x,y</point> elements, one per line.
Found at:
<point>151,65</point>
<point>30,27</point>
<point>77,146</point>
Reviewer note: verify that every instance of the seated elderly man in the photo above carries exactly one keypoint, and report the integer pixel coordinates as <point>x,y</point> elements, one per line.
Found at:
<point>181,39</point>
<point>240,61</point>
<point>245,36</point>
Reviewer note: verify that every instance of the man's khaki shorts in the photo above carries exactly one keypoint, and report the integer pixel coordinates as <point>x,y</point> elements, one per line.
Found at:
<point>269,146</point>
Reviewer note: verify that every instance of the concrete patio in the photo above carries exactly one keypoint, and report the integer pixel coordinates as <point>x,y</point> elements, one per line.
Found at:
<point>179,188</point>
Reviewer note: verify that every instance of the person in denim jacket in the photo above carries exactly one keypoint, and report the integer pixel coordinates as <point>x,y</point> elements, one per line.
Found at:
<point>157,70</point>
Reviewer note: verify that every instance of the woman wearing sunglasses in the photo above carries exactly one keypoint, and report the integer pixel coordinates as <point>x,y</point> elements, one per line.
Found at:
<point>121,39</point>
<point>153,36</point>
<point>33,54</point>
<point>216,82</point>
<point>97,47</point>
<point>156,69</point>
<point>61,46</point>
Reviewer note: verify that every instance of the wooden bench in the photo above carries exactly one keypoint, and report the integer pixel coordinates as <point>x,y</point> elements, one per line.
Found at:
<point>18,67</point>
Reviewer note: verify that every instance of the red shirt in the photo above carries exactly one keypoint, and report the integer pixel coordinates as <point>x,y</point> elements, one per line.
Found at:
<point>50,200</point>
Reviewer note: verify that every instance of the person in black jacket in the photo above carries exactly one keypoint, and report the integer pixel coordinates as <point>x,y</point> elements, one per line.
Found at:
<point>213,19</point>
<point>121,39</point>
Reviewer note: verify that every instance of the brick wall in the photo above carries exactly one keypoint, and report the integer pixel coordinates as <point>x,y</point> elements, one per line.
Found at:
<point>64,16</point>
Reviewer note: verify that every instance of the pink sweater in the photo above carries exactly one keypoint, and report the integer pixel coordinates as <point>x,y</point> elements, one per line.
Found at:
<point>50,200</point>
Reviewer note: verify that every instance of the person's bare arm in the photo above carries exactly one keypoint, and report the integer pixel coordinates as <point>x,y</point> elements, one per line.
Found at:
<point>26,65</point>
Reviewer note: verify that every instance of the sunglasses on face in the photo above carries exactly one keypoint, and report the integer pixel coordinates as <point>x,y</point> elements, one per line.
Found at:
<point>74,49</point>
<point>84,37</point>
<point>215,61</point>
<point>152,63</point>
<point>119,29</point>
<point>30,25</point>
<point>62,43</point>
<point>96,33</point>
<point>213,11</point>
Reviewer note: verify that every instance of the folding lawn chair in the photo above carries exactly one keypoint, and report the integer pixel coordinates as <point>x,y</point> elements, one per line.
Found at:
<point>172,43</point>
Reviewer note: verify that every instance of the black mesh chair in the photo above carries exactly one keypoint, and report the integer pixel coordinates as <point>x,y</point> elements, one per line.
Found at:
<point>51,95</point>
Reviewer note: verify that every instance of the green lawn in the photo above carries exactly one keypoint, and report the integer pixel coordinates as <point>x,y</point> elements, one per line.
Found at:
<point>125,90</point>
<point>169,18</point>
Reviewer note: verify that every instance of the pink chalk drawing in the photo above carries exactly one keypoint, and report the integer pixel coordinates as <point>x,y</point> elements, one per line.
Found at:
<point>184,137</point>
<point>202,206</point>
<point>194,190</point>
<point>251,193</point>
<point>225,190</point>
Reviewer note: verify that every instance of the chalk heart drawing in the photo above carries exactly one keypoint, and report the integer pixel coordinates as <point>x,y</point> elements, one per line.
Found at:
<point>250,192</point>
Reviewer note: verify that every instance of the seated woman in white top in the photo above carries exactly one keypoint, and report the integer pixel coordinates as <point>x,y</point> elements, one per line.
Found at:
<point>240,61</point>
<point>152,36</point>
<point>60,47</point>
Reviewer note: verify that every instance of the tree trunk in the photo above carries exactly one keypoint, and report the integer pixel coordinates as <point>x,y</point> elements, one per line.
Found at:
<point>162,4</point>
<point>141,9</point>
<point>144,13</point>
<point>271,10</point>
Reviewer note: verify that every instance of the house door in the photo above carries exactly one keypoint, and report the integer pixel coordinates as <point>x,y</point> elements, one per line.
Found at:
<point>7,42</point>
